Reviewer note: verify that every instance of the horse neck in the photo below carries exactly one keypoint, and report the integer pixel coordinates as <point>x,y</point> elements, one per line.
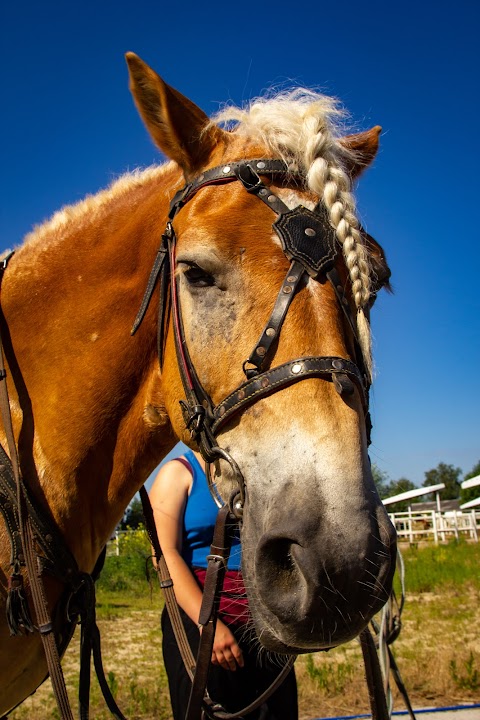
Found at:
<point>86,397</point>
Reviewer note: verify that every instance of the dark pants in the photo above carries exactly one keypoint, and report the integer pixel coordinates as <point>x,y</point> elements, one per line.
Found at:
<point>233,690</point>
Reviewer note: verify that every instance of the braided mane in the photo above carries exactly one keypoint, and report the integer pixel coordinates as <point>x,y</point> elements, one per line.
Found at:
<point>303,128</point>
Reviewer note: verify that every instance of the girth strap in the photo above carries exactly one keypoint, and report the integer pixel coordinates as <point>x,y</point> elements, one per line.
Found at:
<point>90,645</point>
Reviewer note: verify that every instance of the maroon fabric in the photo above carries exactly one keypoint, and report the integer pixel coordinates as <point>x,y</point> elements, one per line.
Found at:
<point>185,462</point>
<point>233,600</point>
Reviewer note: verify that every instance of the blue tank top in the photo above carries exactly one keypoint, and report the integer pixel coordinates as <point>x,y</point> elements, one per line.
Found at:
<point>199,522</point>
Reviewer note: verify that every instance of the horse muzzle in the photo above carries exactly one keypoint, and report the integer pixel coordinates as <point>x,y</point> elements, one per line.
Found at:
<point>312,590</point>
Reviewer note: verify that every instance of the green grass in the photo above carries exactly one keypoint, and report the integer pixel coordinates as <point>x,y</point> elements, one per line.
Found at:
<point>431,568</point>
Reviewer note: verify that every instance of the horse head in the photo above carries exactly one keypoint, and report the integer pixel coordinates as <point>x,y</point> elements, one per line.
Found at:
<point>318,546</point>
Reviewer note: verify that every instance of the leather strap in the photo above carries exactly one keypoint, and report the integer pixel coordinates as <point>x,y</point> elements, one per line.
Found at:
<point>226,173</point>
<point>261,354</point>
<point>166,584</point>
<point>152,281</point>
<point>282,376</point>
<point>217,563</point>
<point>373,674</point>
<point>44,622</point>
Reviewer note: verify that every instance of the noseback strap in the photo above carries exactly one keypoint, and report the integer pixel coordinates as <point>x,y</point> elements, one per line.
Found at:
<point>335,369</point>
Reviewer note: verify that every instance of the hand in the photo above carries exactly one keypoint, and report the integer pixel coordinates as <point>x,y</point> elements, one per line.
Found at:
<point>226,651</point>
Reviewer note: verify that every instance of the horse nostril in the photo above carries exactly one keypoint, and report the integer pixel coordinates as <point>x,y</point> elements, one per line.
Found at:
<point>276,568</point>
<point>280,554</point>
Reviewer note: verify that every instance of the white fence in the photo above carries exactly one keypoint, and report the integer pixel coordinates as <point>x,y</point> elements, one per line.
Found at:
<point>413,526</point>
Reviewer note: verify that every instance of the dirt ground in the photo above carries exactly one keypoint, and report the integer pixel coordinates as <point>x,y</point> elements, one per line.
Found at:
<point>438,654</point>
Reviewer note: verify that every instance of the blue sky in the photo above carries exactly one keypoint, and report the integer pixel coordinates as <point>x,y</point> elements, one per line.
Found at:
<point>68,127</point>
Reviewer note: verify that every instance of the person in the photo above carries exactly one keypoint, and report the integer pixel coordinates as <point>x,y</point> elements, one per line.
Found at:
<point>185,515</point>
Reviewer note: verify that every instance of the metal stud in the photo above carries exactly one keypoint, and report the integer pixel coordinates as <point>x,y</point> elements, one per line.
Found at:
<point>241,394</point>
<point>260,351</point>
<point>261,165</point>
<point>263,191</point>
<point>271,332</point>
<point>201,177</point>
<point>292,278</point>
<point>337,364</point>
<point>287,289</point>
<point>271,198</point>
<point>310,232</point>
<point>226,169</point>
<point>222,410</point>
<point>297,368</point>
<point>265,382</point>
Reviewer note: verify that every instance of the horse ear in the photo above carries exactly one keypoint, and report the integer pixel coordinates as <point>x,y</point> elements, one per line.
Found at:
<point>175,123</point>
<point>362,149</point>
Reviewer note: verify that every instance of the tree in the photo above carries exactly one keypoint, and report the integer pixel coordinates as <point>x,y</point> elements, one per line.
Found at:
<point>445,474</point>
<point>471,493</point>
<point>133,515</point>
<point>400,486</point>
<point>381,480</point>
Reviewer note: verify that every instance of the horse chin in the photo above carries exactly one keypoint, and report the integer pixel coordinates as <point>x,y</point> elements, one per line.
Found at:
<point>306,635</point>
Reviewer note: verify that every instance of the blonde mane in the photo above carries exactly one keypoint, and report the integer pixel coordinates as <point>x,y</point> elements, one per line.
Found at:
<point>304,129</point>
<point>88,209</point>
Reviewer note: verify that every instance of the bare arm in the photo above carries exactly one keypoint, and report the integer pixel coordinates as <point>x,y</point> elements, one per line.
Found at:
<point>169,496</point>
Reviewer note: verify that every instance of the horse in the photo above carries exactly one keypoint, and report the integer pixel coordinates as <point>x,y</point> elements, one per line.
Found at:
<point>94,412</point>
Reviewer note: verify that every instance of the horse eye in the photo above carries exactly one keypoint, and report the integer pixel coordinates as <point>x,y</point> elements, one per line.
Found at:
<point>198,277</point>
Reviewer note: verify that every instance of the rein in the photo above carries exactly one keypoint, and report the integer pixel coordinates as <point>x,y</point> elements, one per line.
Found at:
<point>200,704</point>
<point>39,547</point>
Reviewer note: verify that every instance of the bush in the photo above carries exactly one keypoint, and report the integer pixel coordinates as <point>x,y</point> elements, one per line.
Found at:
<point>130,568</point>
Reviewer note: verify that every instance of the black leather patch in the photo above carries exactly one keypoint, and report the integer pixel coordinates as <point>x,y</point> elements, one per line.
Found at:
<point>308,237</point>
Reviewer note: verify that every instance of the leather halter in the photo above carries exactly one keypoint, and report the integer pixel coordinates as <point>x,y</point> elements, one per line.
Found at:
<point>309,242</point>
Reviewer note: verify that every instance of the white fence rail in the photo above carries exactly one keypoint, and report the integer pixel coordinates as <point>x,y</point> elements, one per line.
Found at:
<point>413,526</point>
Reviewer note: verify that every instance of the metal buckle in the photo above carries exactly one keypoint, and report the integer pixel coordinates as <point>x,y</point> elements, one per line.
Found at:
<point>193,417</point>
<point>248,177</point>
<point>217,558</point>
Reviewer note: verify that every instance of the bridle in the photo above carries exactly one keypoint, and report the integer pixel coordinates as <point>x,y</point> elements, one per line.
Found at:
<point>309,242</point>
